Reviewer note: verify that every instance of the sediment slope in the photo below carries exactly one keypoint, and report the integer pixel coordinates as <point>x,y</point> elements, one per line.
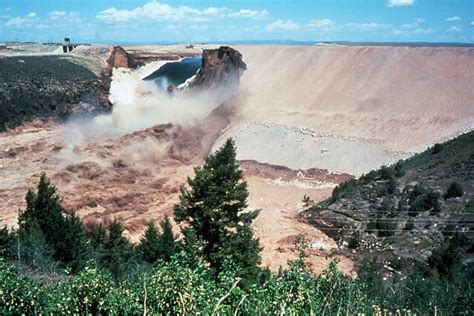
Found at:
<point>400,99</point>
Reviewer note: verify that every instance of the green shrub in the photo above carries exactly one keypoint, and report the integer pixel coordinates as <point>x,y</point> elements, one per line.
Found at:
<point>436,148</point>
<point>342,189</point>
<point>354,240</point>
<point>18,294</point>
<point>391,186</point>
<point>386,173</point>
<point>398,170</point>
<point>417,207</point>
<point>89,292</point>
<point>409,225</point>
<point>385,227</point>
<point>454,190</point>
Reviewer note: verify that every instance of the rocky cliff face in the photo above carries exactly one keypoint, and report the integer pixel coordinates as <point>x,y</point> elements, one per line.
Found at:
<point>118,57</point>
<point>221,70</point>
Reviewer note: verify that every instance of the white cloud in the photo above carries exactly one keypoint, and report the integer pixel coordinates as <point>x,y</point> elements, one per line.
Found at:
<point>250,14</point>
<point>325,24</point>
<point>8,9</point>
<point>421,31</point>
<point>418,31</point>
<point>64,17</point>
<point>398,3</point>
<point>414,24</point>
<point>371,26</point>
<point>455,29</point>
<point>282,25</point>
<point>157,11</point>
<point>18,22</point>
<point>56,15</point>
<point>212,11</point>
<point>453,18</point>
<point>55,19</point>
<point>41,26</point>
<point>198,27</point>
<point>472,23</point>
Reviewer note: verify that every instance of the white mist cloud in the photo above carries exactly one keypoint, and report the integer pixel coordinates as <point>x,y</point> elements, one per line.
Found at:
<point>399,3</point>
<point>140,104</point>
<point>19,22</point>
<point>250,14</point>
<point>282,25</point>
<point>453,18</point>
<point>370,26</point>
<point>414,24</point>
<point>56,15</point>
<point>323,24</point>
<point>157,11</point>
<point>455,29</point>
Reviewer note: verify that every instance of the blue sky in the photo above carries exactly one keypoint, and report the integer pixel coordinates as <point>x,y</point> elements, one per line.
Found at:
<point>232,20</point>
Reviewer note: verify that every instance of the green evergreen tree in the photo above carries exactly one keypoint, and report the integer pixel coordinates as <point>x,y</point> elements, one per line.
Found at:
<point>5,240</point>
<point>117,250</point>
<point>214,205</point>
<point>75,243</point>
<point>168,242</point>
<point>97,237</point>
<point>192,246</point>
<point>44,208</point>
<point>149,247</point>
<point>32,248</point>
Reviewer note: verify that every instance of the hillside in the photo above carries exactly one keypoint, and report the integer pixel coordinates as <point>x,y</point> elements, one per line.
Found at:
<point>48,86</point>
<point>409,210</point>
<point>350,108</point>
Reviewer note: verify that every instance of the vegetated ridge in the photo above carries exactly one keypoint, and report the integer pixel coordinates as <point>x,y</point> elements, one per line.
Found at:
<point>47,86</point>
<point>412,211</point>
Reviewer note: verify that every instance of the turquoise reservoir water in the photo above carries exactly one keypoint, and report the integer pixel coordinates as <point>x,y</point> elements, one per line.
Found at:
<point>175,73</point>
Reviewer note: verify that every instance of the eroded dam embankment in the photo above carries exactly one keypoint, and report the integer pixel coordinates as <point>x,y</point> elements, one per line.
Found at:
<point>345,109</point>
<point>399,99</point>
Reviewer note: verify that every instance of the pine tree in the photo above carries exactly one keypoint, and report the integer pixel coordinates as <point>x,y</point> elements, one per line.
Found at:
<point>149,247</point>
<point>32,248</point>
<point>98,238</point>
<point>5,240</point>
<point>44,208</point>
<point>168,242</point>
<point>76,248</point>
<point>155,245</point>
<point>117,249</point>
<point>213,205</point>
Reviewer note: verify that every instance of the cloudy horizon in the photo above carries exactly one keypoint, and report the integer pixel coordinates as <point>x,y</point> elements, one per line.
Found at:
<point>149,21</point>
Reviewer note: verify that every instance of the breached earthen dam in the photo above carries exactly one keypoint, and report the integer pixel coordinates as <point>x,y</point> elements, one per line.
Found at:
<point>350,108</point>
<point>347,109</point>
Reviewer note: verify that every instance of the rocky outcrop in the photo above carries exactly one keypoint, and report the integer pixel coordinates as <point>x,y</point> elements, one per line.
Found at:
<point>47,86</point>
<point>221,70</point>
<point>118,57</point>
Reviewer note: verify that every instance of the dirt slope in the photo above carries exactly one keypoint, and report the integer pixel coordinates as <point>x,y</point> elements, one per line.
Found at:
<point>399,98</point>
